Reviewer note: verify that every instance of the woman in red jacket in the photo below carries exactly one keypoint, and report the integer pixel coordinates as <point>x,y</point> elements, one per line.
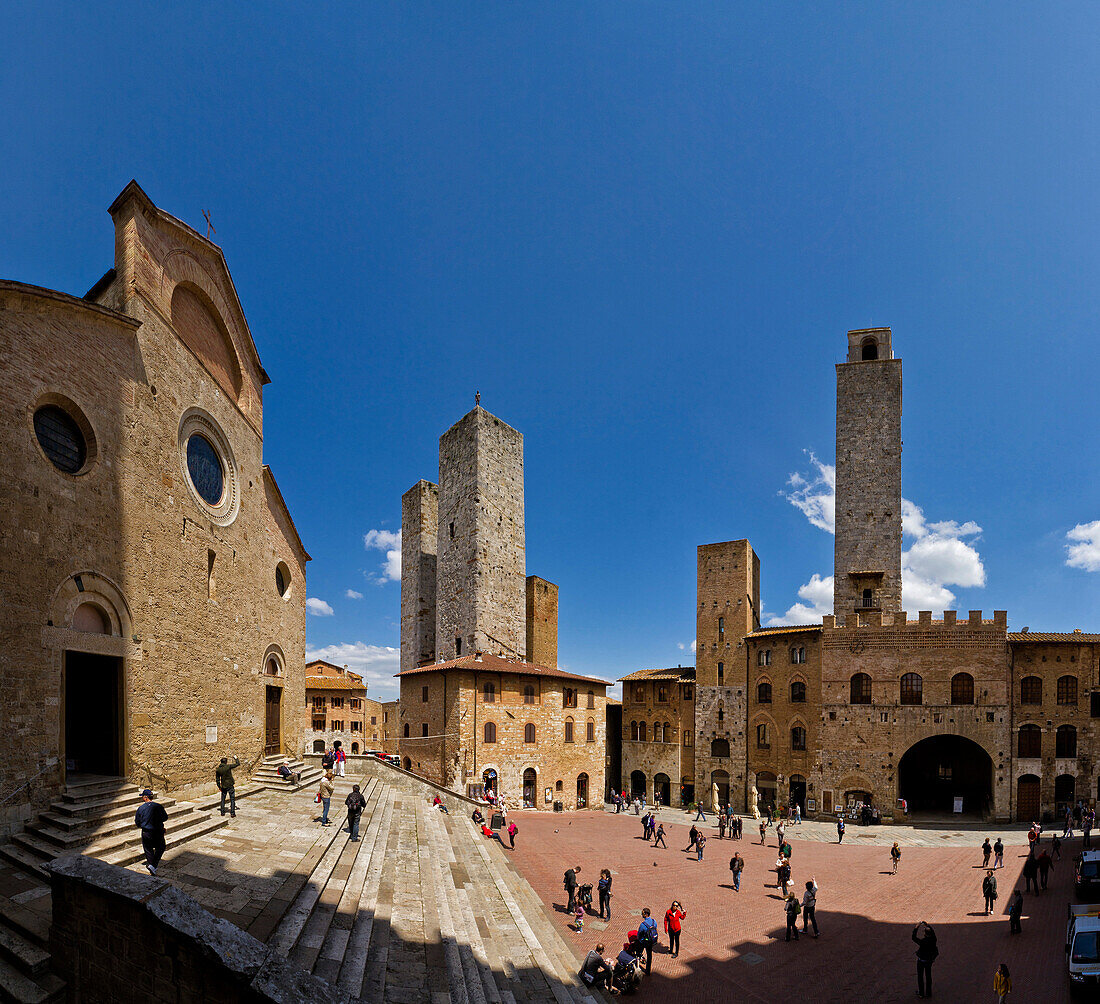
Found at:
<point>675,914</point>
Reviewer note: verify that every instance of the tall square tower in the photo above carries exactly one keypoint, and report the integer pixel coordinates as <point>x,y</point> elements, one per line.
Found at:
<point>481,559</point>
<point>419,530</point>
<point>542,622</point>
<point>867,545</point>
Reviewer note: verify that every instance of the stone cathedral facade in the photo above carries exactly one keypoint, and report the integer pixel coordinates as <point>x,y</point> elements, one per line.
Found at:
<point>875,704</point>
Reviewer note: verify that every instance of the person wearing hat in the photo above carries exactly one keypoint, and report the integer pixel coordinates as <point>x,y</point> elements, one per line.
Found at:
<point>224,776</point>
<point>150,818</point>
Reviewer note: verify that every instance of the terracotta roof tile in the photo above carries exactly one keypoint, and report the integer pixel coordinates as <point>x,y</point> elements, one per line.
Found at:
<point>497,664</point>
<point>760,632</point>
<point>1073,637</point>
<point>331,683</point>
<point>684,673</point>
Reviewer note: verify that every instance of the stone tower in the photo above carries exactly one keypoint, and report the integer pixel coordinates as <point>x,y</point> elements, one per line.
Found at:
<point>481,559</point>
<point>419,529</point>
<point>867,547</point>
<point>542,622</point>
<point>728,605</point>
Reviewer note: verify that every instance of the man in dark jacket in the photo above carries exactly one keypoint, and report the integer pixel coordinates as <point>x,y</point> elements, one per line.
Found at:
<point>356,803</point>
<point>150,818</point>
<point>927,950</point>
<point>223,773</point>
<point>989,891</point>
<point>1031,872</point>
<point>570,882</point>
<point>1015,909</point>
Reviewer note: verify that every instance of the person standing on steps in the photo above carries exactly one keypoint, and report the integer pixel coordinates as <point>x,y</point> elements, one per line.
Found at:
<point>150,819</point>
<point>674,916</point>
<point>998,854</point>
<point>324,791</point>
<point>223,773</point>
<point>340,757</point>
<point>989,891</point>
<point>927,950</point>
<point>356,803</point>
<point>737,865</point>
<point>809,905</point>
<point>987,849</point>
<point>512,831</point>
<point>603,887</point>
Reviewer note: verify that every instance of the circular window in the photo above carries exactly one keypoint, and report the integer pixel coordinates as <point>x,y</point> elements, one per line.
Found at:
<point>61,438</point>
<point>282,579</point>
<point>205,468</point>
<point>209,467</point>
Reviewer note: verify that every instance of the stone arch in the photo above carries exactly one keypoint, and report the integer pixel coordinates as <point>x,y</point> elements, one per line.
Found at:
<point>273,655</point>
<point>936,770</point>
<point>764,682</point>
<point>201,328</point>
<point>89,587</point>
<point>868,348</point>
<point>797,722</point>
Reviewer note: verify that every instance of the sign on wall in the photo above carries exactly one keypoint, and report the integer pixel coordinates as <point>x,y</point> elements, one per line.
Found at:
<point>211,733</point>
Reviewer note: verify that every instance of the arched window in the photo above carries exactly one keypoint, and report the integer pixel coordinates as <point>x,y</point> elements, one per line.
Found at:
<point>1065,792</point>
<point>764,693</point>
<point>666,732</point>
<point>529,732</point>
<point>634,731</point>
<point>798,655</point>
<point>798,738</point>
<point>355,747</point>
<point>762,741</point>
<point>720,748</point>
<point>569,698</point>
<point>569,730</point>
<point>490,732</point>
<point>1065,741</point>
<point>868,349</point>
<point>962,689</point>
<point>798,692</point>
<point>721,674</point>
<point>641,732</point>
<point>590,731</point>
<point>490,692</point>
<point>860,689</point>
<point>1031,690</point>
<point>1029,741</point>
<point>764,657</point>
<point>557,786</point>
<point>662,693</point>
<point>406,730</point>
<point>721,713</point>
<point>591,700</point>
<point>528,694</point>
<point>1067,690</point>
<point>656,732</point>
<point>912,689</point>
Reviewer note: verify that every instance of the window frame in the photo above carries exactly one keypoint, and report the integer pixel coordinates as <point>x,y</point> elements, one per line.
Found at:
<point>911,690</point>
<point>489,732</point>
<point>798,738</point>
<point>530,733</point>
<point>764,692</point>
<point>800,697</point>
<point>962,689</point>
<point>1065,684</point>
<point>1031,690</point>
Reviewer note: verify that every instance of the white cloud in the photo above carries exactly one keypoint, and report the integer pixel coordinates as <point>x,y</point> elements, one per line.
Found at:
<point>939,556</point>
<point>351,594</point>
<point>319,608</point>
<point>1084,549</point>
<point>375,663</point>
<point>681,646</point>
<point>385,540</point>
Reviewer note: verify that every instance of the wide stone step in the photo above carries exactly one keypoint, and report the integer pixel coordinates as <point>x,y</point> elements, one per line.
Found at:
<point>102,801</point>
<point>35,845</point>
<point>96,784</point>
<point>19,988</point>
<point>96,831</point>
<point>212,803</point>
<point>33,864</point>
<point>28,924</point>
<point>67,816</point>
<point>28,958</point>
<point>129,851</point>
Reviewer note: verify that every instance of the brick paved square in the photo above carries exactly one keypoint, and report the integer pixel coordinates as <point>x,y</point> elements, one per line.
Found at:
<point>732,945</point>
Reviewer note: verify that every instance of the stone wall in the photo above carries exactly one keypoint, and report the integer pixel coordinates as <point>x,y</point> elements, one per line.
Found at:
<point>419,532</point>
<point>542,622</point>
<point>119,937</point>
<point>669,700</point>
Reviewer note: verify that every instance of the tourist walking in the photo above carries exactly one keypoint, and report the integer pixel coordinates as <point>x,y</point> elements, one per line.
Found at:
<point>895,856</point>
<point>659,838</point>
<point>356,803</point>
<point>1015,911</point>
<point>324,795</point>
<point>987,850</point>
<point>150,819</point>
<point>763,831</point>
<point>927,950</point>
<point>1068,832</point>
<point>512,831</point>
<point>783,874</point>
<point>998,854</point>
<point>779,831</point>
<point>1045,865</point>
<point>340,757</point>
<point>791,909</point>
<point>674,916</point>
<point>700,843</point>
<point>223,774</point>
<point>798,813</point>
<point>647,936</point>
<point>1031,873</point>
<point>809,905</point>
<point>839,829</point>
<point>1002,983</point>
<point>721,825</point>
<point>989,891</point>
<point>693,836</point>
<point>603,888</point>
<point>737,865</point>
<point>700,814</point>
<point>1055,847</point>
<point>570,883</point>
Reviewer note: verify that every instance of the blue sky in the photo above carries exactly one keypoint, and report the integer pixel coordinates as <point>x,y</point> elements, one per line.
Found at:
<point>641,231</point>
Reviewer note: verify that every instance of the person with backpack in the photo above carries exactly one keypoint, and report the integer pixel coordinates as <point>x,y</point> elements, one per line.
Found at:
<point>674,917</point>
<point>356,803</point>
<point>989,891</point>
<point>223,774</point>
<point>737,865</point>
<point>659,837</point>
<point>647,936</point>
<point>809,905</point>
<point>603,887</point>
<point>927,951</point>
<point>895,856</point>
<point>987,850</point>
<point>792,910</point>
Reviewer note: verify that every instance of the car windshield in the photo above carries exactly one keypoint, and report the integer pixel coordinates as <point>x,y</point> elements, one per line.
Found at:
<point>1090,869</point>
<point>1086,947</point>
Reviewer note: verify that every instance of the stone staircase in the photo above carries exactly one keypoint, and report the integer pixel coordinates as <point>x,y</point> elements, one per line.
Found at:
<point>424,908</point>
<point>25,976</point>
<point>266,774</point>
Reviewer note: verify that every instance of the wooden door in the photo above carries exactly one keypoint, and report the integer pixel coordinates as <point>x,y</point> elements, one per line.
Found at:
<point>1027,799</point>
<point>272,738</point>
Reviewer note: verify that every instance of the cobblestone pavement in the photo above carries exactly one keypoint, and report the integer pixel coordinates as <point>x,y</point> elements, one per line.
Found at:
<point>733,945</point>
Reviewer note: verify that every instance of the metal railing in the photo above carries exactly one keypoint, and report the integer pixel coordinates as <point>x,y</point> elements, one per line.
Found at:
<point>27,783</point>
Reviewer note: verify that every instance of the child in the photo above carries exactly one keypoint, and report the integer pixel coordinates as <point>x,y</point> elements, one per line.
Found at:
<point>1002,984</point>
<point>578,919</point>
<point>895,854</point>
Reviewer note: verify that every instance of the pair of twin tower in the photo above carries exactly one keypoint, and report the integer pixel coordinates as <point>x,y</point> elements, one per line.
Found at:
<point>464,587</point>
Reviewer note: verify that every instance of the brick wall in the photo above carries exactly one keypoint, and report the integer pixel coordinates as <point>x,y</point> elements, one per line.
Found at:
<point>419,530</point>
<point>542,622</point>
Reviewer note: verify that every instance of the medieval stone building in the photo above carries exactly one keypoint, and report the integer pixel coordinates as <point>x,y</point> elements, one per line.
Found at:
<point>339,710</point>
<point>153,583</point>
<point>483,704</point>
<point>876,705</point>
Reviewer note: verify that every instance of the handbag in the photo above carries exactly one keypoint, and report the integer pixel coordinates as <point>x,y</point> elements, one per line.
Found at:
<point>318,798</point>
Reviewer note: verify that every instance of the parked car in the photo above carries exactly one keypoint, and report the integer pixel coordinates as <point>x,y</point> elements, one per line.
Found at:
<point>392,758</point>
<point>1083,945</point>
<point>377,753</point>
<point>1086,873</point>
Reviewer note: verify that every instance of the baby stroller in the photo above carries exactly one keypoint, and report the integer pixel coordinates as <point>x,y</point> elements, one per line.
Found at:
<point>584,896</point>
<point>626,976</point>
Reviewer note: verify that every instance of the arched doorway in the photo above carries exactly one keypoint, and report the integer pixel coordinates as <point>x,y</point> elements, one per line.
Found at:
<point>530,787</point>
<point>582,791</point>
<point>765,788</point>
<point>637,784</point>
<point>408,764</point>
<point>662,788</point>
<point>938,770</point>
<point>798,792</point>
<point>1065,793</point>
<point>719,779</point>
<point>687,790</point>
<point>489,780</point>
<point>1028,805</point>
